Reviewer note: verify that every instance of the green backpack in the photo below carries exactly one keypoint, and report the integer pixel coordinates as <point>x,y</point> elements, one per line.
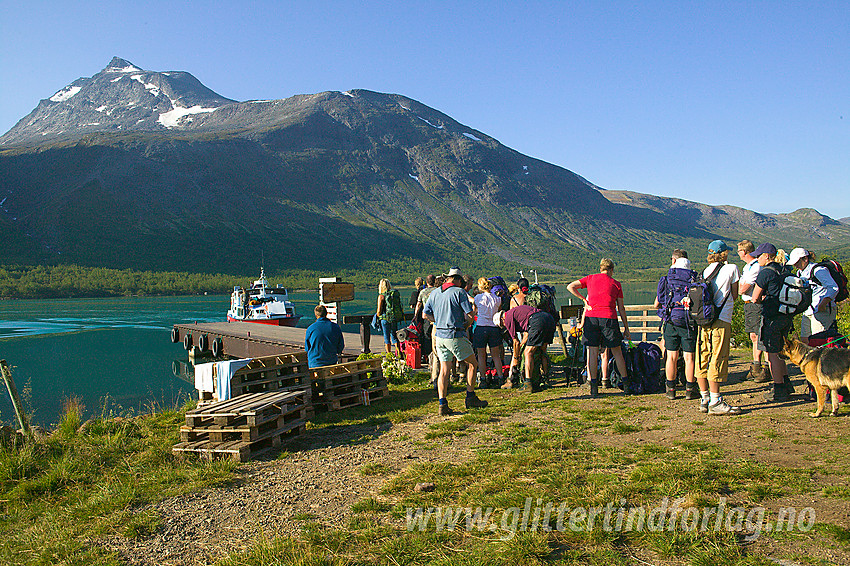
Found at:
<point>393,312</point>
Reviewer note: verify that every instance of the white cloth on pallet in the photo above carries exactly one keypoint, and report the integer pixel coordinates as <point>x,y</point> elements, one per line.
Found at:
<point>204,377</point>
<point>223,372</point>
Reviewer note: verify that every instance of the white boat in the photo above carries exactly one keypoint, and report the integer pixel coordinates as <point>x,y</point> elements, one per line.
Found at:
<point>262,304</point>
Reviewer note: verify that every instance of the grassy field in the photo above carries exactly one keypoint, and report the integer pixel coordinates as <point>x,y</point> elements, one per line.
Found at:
<point>561,475</point>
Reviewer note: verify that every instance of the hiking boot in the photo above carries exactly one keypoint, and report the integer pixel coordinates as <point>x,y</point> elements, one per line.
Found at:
<point>755,370</point>
<point>444,411</point>
<point>473,402</point>
<point>627,388</point>
<point>703,404</point>
<point>762,374</point>
<point>723,408</point>
<point>606,383</point>
<point>509,384</point>
<point>779,392</point>
<point>594,388</point>
<point>788,385</point>
<point>670,392</point>
<point>691,392</point>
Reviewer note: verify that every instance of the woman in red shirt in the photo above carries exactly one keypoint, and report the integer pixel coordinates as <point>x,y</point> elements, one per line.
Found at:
<point>600,328</point>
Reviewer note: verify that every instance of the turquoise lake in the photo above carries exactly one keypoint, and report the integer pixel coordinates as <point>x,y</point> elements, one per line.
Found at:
<point>115,354</point>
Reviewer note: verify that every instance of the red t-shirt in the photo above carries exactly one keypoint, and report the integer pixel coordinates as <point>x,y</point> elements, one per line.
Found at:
<point>602,294</point>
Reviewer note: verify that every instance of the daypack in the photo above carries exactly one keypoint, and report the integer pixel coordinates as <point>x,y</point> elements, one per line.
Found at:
<point>542,297</point>
<point>703,311</point>
<point>795,296</point>
<point>643,364</point>
<point>394,311</point>
<point>837,274</point>
<point>500,289</point>
<point>672,288</point>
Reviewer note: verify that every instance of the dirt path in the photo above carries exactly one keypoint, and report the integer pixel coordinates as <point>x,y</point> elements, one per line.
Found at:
<point>321,476</point>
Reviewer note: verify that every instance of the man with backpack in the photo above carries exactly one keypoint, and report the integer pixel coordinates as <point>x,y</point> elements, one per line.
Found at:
<point>819,319</point>
<point>450,310</point>
<point>775,324</point>
<point>538,330</point>
<point>679,331</point>
<point>716,336</point>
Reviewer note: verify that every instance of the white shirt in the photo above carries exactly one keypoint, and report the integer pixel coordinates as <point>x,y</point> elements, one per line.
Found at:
<point>722,284</point>
<point>487,304</point>
<point>748,277</point>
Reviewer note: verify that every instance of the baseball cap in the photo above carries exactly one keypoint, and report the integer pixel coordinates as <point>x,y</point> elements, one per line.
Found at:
<point>797,254</point>
<point>765,248</point>
<point>718,246</point>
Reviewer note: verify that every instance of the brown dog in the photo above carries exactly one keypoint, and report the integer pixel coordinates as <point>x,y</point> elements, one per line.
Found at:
<point>827,369</point>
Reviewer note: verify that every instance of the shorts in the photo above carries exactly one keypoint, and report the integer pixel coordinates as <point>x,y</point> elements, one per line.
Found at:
<point>484,336</point>
<point>680,338</point>
<point>818,322</point>
<point>541,329</point>
<point>752,318</point>
<point>604,332</point>
<point>773,330</point>
<point>713,360</point>
<point>453,348</point>
<point>389,329</point>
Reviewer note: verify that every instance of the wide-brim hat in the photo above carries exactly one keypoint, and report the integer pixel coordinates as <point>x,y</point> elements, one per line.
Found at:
<point>497,318</point>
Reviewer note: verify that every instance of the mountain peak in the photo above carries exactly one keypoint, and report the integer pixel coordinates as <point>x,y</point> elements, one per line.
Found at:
<point>119,65</point>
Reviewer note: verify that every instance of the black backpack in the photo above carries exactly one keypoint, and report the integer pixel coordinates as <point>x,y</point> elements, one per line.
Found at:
<point>837,274</point>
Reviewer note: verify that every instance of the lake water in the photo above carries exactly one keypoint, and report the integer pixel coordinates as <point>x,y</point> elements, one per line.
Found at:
<point>116,355</point>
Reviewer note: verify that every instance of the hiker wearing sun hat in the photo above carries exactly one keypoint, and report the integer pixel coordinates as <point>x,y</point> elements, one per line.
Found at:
<point>715,339</point>
<point>819,319</point>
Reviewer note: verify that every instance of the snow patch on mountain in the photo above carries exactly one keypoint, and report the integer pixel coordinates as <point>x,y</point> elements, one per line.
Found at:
<point>440,127</point>
<point>148,86</point>
<point>65,94</point>
<point>171,119</point>
<point>470,136</point>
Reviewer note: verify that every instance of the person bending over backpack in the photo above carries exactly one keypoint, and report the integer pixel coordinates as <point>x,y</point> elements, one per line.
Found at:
<point>680,333</point>
<point>600,329</point>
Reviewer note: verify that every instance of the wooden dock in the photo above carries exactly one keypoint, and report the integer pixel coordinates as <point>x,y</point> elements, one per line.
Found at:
<point>251,340</point>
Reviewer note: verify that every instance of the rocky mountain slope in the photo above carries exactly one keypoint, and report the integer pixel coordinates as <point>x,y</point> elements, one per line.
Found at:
<point>134,168</point>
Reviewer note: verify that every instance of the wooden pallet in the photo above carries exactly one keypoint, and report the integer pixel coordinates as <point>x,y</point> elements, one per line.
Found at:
<point>341,386</point>
<point>244,427</point>
<point>238,450</point>
<point>282,372</point>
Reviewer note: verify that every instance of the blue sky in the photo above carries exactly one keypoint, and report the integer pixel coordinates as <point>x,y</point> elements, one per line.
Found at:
<point>744,103</point>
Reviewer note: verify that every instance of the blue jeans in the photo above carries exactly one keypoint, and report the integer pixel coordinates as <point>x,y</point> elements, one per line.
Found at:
<point>389,329</point>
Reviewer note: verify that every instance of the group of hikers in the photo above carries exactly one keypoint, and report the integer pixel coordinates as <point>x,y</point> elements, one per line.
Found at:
<point>458,319</point>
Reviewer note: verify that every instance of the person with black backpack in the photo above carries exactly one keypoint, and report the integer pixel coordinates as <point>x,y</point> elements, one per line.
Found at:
<point>819,320</point>
<point>716,336</point>
<point>679,331</point>
<point>774,323</point>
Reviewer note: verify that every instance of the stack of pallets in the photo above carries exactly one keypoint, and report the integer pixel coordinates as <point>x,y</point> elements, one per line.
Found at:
<point>244,427</point>
<point>340,386</point>
<point>281,372</point>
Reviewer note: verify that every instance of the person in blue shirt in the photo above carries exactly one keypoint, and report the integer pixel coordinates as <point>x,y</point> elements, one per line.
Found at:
<point>819,319</point>
<point>324,341</point>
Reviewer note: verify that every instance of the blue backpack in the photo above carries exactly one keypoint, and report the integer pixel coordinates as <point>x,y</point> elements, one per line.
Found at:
<point>499,289</point>
<point>672,288</point>
<point>701,294</point>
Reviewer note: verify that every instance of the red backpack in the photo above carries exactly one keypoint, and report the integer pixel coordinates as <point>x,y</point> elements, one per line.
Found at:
<point>837,274</point>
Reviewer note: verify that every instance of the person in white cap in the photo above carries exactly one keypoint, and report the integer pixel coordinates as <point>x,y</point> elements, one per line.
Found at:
<point>450,310</point>
<point>819,318</point>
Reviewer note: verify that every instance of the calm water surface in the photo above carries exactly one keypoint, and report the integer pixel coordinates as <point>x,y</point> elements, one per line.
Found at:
<point>116,355</point>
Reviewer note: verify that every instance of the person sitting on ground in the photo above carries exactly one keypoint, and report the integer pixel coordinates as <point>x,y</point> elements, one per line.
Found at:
<point>604,301</point>
<point>679,332</point>
<point>715,339</point>
<point>449,309</point>
<point>538,331</point>
<point>819,320</point>
<point>774,325</point>
<point>752,311</point>
<point>487,334</point>
<point>323,340</point>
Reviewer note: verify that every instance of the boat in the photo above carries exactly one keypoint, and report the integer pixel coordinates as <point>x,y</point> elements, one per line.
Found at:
<point>262,304</point>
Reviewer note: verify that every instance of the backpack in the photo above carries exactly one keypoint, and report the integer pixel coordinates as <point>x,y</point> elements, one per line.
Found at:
<point>643,364</point>
<point>500,289</point>
<point>394,311</point>
<point>672,288</point>
<point>703,311</point>
<point>795,295</point>
<point>837,274</point>
<point>542,297</point>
